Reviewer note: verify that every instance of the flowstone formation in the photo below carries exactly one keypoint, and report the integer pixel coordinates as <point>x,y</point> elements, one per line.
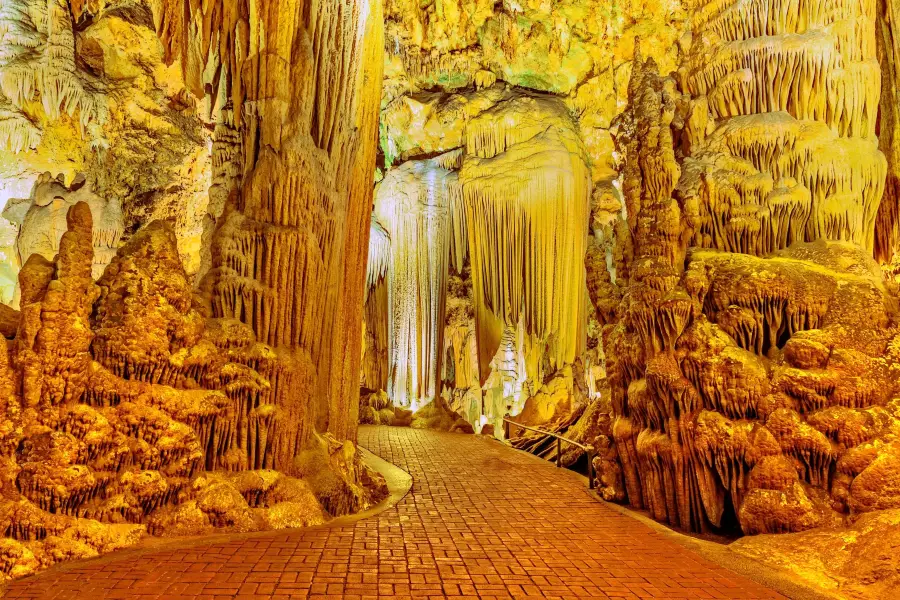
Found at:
<point>413,202</point>
<point>751,358</point>
<point>501,210</point>
<point>578,50</point>
<point>128,413</point>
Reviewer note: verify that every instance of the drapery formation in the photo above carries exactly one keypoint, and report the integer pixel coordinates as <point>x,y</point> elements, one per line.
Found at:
<point>525,187</point>
<point>413,204</point>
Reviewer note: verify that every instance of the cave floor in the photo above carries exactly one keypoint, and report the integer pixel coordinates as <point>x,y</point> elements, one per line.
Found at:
<point>481,521</point>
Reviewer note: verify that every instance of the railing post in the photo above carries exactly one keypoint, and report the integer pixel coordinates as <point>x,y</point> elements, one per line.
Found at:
<point>505,429</point>
<point>558,453</point>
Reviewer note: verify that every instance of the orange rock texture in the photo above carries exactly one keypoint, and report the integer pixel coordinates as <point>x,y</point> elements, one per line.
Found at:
<point>751,356</point>
<point>141,403</point>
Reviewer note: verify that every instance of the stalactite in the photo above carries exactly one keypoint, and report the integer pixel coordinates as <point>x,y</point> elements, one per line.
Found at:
<point>37,63</point>
<point>794,93</point>
<point>379,255</point>
<point>526,187</point>
<point>413,204</point>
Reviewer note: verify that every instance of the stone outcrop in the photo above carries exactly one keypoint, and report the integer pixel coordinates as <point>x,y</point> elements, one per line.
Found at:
<point>745,390</point>
<point>128,413</point>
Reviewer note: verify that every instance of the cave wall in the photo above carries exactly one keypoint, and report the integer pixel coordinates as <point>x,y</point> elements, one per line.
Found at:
<point>87,95</point>
<point>746,390</point>
<point>154,400</point>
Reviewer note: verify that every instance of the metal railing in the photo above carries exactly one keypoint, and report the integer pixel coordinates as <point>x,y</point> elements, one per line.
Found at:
<point>589,450</point>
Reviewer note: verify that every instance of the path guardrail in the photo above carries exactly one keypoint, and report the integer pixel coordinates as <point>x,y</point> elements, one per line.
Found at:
<point>589,450</point>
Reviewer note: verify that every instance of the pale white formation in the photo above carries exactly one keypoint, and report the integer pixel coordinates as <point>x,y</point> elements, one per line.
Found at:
<point>412,203</point>
<point>379,254</point>
<point>43,223</point>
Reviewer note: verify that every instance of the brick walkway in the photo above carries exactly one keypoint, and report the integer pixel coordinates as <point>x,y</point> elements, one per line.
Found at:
<point>482,521</point>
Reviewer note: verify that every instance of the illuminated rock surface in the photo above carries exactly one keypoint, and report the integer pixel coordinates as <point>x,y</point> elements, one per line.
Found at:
<point>233,230</point>
<point>148,402</point>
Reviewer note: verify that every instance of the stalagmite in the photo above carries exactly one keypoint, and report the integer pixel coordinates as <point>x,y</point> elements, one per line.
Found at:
<point>728,369</point>
<point>45,220</point>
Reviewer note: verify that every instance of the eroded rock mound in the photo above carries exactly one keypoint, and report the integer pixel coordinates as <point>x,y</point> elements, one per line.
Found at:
<point>750,392</point>
<point>127,412</point>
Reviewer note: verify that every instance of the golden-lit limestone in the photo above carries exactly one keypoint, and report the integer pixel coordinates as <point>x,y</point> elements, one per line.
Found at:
<point>579,50</point>
<point>289,254</point>
<point>853,562</point>
<point>526,187</point>
<point>145,149</point>
<point>487,136</point>
<point>530,44</point>
<point>460,378</point>
<point>375,314</point>
<point>887,226</point>
<point>128,395</point>
<point>748,389</point>
<point>37,61</point>
<point>781,128</point>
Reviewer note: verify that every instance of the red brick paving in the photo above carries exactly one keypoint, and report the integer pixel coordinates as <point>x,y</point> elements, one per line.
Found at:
<point>482,521</point>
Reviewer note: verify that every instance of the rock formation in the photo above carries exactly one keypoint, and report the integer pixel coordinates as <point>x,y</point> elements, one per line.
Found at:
<point>136,404</point>
<point>129,413</point>
<point>43,222</point>
<point>413,202</point>
<point>489,227</point>
<point>375,314</point>
<point>744,388</point>
<point>684,256</point>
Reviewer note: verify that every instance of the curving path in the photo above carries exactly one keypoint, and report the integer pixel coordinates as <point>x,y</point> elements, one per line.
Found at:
<point>482,521</point>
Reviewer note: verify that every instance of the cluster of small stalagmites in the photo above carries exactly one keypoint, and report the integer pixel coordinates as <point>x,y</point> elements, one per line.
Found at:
<point>376,408</point>
<point>745,390</point>
<point>136,415</point>
<point>772,390</point>
<point>771,397</point>
<point>779,125</point>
